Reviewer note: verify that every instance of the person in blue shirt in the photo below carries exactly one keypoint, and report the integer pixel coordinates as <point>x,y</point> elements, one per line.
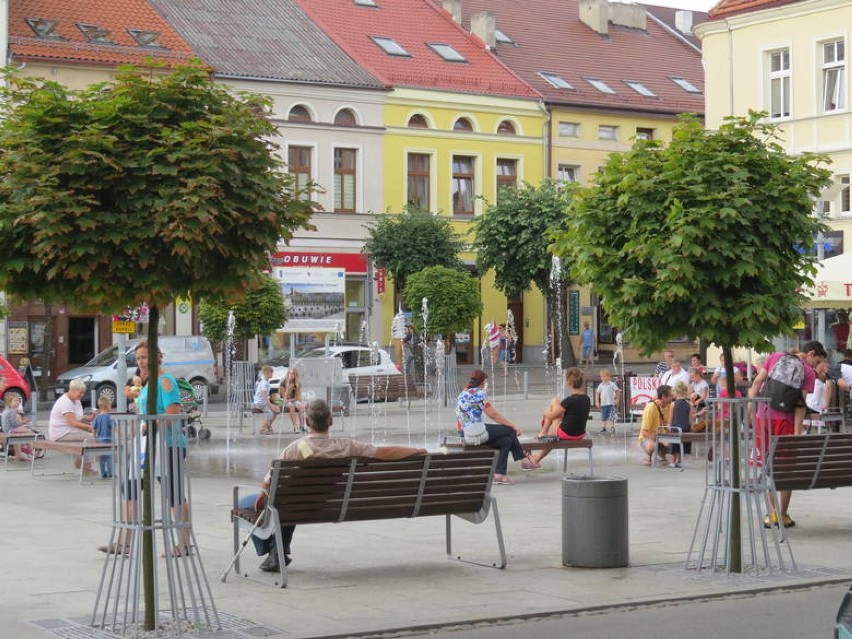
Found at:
<point>588,343</point>
<point>103,432</point>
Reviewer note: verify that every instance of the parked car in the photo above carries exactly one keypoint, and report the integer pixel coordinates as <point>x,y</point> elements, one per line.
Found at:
<point>190,357</point>
<point>356,360</point>
<point>843,624</point>
<point>15,384</point>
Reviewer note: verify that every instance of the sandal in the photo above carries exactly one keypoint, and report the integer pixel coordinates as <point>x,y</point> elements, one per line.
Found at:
<point>179,551</point>
<point>503,479</point>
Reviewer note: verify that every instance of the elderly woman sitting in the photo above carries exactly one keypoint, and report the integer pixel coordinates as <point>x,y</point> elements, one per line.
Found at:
<point>66,421</point>
<point>471,406</point>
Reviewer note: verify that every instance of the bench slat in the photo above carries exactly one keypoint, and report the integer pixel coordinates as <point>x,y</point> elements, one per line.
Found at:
<point>804,462</point>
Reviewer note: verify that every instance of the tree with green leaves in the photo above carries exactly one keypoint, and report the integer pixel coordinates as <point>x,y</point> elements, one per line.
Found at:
<point>259,312</point>
<point>408,242</point>
<point>512,237</point>
<point>453,300</point>
<point>708,237</point>
<point>151,186</point>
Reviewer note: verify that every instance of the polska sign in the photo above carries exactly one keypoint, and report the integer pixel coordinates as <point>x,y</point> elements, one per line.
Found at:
<point>643,389</point>
<point>350,262</point>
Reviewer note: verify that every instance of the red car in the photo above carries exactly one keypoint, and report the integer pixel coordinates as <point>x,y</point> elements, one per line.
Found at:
<point>13,382</point>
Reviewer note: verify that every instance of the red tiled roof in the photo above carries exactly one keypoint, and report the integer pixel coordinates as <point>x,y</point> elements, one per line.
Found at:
<point>727,8</point>
<point>115,16</point>
<point>552,39</point>
<point>412,24</point>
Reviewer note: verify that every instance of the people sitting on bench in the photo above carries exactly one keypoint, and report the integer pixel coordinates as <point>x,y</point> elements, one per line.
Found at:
<point>681,415</point>
<point>566,418</point>
<point>67,422</point>
<point>318,445</point>
<point>15,423</point>
<point>262,401</point>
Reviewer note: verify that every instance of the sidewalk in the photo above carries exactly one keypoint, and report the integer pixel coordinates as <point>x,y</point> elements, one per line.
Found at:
<point>368,577</point>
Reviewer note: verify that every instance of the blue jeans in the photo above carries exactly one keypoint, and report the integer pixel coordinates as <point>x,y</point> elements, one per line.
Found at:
<point>504,439</point>
<point>105,464</point>
<point>265,546</point>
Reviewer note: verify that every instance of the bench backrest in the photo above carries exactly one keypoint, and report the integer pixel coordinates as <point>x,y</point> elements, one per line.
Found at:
<point>802,462</point>
<point>351,489</point>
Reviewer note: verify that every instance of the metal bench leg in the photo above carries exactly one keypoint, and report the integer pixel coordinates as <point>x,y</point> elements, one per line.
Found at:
<point>477,518</point>
<point>591,464</point>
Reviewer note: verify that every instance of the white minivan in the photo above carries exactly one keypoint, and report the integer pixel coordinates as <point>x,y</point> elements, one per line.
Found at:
<point>187,356</point>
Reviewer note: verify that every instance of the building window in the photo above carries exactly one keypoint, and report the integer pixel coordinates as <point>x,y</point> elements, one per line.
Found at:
<point>844,206</point>
<point>607,132</point>
<point>506,128</point>
<point>300,113</point>
<point>462,124</point>
<point>299,165</point>
<point>344,180</point>
<point>569,129</point>
<point>686,85</point>
<point>418,121</point>
<point>568,173</point>
<point>419,179</point>
<point>643,133</point>
<point>463,185</point>
<point>345,117</point>
<point>555,80</point>
<point>447,52</point>
<point>600,85</point>
<point>779,83</point>
<point>640,88</point>
<point>833,76</point>
<point>507,175</point>
<point>389,46</point>
<point>502,38</point>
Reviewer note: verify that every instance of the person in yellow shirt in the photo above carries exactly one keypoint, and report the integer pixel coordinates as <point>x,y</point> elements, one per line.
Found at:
<point>654,416</point>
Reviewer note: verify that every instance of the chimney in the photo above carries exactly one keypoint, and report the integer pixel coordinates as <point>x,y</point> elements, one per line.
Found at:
<point>683,21</point>
<point>627,15</point>
<point>455,8</point>
<point>484,25</point>
<point>594,14</point>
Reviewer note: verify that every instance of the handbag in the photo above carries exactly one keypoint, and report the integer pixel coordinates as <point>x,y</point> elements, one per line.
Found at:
<point>475,434</point>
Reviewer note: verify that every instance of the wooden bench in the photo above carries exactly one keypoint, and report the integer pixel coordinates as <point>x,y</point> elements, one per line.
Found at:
<point>8,440</point>
<point>319,491</point>
<point>84,448</point>
<point>531,443</point>
<point>380,388</point>
<point>808,462</point>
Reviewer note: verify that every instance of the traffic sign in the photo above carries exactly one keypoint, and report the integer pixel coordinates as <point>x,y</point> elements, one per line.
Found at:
<point>123,326</point>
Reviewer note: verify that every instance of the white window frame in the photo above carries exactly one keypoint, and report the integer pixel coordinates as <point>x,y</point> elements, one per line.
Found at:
<point>606,128</point>
<point>600,85</point>
<point>685,84</point>
<point>779,84</point>
<point>568,172</point>
<point>640,88</point>
<point>833,92</point>
<point>555,79</point>
<point>390,46</point>
<point>446,52</point>
<point>844,201</point>
<point>574,126</point>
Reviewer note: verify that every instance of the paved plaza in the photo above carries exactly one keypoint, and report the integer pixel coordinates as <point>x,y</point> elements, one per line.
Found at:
<point>363,578</point>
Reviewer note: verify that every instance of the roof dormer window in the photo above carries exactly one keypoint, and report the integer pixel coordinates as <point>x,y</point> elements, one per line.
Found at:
<point>390,46</point>
<point>640,88</point>
<point>145,38</point>
<point>366,3</point>
<point>447,52</point>
<point>95,34</point>
<point>43,28</point>
<point>686,85</point>
<point>502,38</point>
<point>555,80</point>
<point>600,85</point>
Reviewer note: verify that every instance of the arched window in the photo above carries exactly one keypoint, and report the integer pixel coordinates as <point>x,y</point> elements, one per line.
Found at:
<point>462,124</point>
<point>299,113</point>
<point>417,121</point>
<point>506,128</point>
<point>345,117</point>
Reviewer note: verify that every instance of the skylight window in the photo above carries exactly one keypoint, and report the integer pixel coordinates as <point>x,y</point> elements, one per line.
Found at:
<point>389,46</point>
<point>502,38</point>
<point>94,33</point>
<point>447,52</point>
<point>640,88</point>
<point>555,80</point>
<point>600,85</point>
<point>43,28</point>
<point>366,3</point>
<point>686,85</point>
<point>145,38</point>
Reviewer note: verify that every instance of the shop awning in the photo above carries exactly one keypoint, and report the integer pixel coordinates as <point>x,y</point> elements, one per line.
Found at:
<point>833,283</point>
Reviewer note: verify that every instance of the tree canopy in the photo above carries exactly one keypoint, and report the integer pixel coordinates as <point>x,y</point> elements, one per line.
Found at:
<point>453,300</point>
<point>408,242</point>
<point>147,187</point>
<point>513,236</point>
<point>707,237</point>
<point>260,312</point>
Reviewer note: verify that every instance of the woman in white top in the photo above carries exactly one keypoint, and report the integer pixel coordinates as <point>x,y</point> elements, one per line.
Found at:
<point>66,421</point>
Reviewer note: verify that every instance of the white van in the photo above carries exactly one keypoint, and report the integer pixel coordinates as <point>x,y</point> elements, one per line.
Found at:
<point>188,356</point>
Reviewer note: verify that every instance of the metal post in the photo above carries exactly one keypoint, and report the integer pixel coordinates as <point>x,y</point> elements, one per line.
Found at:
<point>526,384</point>
<point>121,374</point>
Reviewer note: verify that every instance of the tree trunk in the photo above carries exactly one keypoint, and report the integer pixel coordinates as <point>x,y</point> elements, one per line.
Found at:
<point>735,529</point>
<point>148,581</point>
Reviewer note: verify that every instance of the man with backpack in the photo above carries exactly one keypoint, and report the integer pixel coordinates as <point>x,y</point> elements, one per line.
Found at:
<point>785,379</point>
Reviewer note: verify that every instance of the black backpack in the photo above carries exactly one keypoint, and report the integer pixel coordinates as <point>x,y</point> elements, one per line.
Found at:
<point>783,385</point>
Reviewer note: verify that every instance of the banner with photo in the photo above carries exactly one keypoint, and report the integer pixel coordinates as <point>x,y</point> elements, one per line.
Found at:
<point>314,298</point>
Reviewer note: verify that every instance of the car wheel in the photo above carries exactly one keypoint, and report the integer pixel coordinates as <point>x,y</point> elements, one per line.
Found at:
<point>106,390</point>
<point>199,387</point>
<point>13,392</point>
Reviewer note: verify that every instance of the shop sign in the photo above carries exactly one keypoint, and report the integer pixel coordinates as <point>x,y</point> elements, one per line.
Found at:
<point>349,262</point>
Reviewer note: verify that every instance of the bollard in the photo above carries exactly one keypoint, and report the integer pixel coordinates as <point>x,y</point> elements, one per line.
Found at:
<point>594,522</point>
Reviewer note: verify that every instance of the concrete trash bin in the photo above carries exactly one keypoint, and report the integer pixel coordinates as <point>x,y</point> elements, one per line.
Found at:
<point>594,522</point>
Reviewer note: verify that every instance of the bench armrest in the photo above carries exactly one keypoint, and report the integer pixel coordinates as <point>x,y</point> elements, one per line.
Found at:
<point>241,490</point>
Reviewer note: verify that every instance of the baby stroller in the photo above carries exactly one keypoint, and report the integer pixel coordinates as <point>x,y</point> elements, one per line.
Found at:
<point>189,406</point>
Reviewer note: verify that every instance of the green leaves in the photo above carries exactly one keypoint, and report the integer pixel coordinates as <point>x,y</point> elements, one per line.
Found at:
<point>148,186</point>
<point>454,299</point>
<point>259,312</point>
<point>701,238</point>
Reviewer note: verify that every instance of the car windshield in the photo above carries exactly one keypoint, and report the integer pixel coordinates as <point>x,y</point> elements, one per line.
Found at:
<point>319,353</point>
<point>104,358</point>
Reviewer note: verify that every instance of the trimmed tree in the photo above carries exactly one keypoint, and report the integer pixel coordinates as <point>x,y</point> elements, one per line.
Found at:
<point>408,242</point>
<point>148,187</point>
<point>259,312</point>
<point>701,238</point>
<point>513,237</point>
<point>454,300</point>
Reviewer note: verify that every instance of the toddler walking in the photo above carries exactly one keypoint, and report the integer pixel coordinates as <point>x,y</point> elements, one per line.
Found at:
<point>103,432</point>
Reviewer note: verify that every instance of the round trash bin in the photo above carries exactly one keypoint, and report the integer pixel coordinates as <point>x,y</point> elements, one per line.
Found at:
<point>594,522</point>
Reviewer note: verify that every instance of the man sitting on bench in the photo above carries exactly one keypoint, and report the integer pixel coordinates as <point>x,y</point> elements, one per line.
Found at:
<point>316,444</point>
